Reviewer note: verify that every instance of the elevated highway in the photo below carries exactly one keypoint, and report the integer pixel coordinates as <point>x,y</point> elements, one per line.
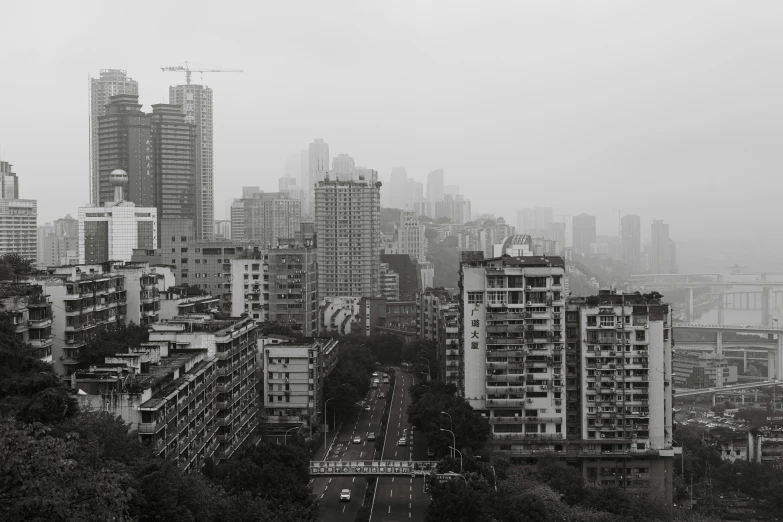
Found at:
<point>723,389</point>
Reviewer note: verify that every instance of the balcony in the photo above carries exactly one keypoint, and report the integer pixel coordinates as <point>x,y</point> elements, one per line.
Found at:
<point>522,420</point>
<point>528,436</point>
<point>151,427</point>
<point>497,403</point>
<point>39,323</point>
<point>43,342</point>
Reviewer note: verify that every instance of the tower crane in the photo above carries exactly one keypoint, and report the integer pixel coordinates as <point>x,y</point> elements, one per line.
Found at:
<point>187,70</point>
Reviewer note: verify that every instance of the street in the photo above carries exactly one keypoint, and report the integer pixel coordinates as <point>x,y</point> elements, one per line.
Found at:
<point>401,498</point>
<point>327,490</point>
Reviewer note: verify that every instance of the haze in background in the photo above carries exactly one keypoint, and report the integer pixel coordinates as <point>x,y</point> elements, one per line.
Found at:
<point>670,110</point>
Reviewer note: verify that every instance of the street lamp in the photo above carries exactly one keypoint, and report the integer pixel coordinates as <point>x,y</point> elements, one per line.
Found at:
<point>452,474</point>
<point>429,377</point>
<point>285,437</point>
<point>453,439</point>
<point>460,457</point>
<point>451,425</point>
<point>325,423</point>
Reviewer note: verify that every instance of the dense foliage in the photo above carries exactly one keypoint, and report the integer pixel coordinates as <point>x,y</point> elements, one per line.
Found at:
<point>61,464</point>
<point>349,381</point>
<point>471,431</point>
<point>109,342</point>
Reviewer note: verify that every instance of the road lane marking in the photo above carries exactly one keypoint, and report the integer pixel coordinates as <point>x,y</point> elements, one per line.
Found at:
<point>389,509</point>
<point>344,508</point>
<point>322,495</point>
<point>390,492</point>
<point>354,479</point>
<point>330,481</point>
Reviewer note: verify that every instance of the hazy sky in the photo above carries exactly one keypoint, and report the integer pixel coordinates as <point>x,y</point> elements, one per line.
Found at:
<point>671,110</point>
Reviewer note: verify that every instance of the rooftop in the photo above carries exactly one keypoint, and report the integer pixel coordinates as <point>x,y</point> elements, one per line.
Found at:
<point>516,262</point>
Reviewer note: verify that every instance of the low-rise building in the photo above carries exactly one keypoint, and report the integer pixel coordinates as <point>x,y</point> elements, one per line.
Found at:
<point>702,370</point>
<point>31,315</point>
<point>294,375</point>
<point>189,392</point>
<point>93,298</point>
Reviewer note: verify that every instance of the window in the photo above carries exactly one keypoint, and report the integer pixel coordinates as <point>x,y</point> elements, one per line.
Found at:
<point>591,320</point>
<point>475,297</point>
<point>607,320</point>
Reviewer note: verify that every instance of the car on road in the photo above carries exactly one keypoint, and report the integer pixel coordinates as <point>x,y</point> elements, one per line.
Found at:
<point>375,374</point>
<point>381,395</point>
<point>345,495</point>
<point>430,452</point>
<point>357,440</point>
<point>371,436</point>
<point>367,407</point>
<point>402,442</point>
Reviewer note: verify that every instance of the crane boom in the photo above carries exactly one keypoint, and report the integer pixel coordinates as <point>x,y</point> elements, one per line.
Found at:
<point>187,70</point>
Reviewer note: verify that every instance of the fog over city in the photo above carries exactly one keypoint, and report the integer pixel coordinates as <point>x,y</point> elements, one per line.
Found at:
<point>669,110</point>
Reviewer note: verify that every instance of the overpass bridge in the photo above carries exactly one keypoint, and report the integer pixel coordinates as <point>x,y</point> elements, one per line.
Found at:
<point>773,347</point>
<point>724,389</point>
<point>371,468</point>
<point>719,284</point>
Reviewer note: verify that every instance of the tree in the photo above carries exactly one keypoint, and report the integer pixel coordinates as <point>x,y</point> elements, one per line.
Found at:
<point>111,341</point>
<point>454,501</point>
<point>13,265</point>
<point>40,479</point>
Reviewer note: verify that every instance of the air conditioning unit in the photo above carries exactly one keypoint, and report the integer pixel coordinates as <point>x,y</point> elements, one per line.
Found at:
<point>646,326</point>
<point>543,386</point>
<point>528,288</point>
<point>530,400</point>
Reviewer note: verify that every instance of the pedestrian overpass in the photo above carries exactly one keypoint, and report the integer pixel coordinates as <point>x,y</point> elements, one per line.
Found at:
<point>371,468</point>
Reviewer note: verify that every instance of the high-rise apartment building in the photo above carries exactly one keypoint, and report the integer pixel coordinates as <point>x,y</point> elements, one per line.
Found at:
<point>174,162</point>
<point>111,232</point>
<point>512,340</point>
<point>125,142</point>
<point>588,380</point>
<point>238,219</point>
<point>271,217</point>
<point>631,241</point>
<point>111,82</point>
<point>347,221</point>
<point>318,165</point>
<point>584,233</point>
<point>663,254</point>
<point>619,391</point>
<point>411,237</point>
<point>196,103</point>
<point>9,183</point>
<point>435,186</point>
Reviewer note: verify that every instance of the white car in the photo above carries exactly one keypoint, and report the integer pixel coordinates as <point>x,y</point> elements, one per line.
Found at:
<point>367,408</point>
<point>402,442</point>
<point>345,495</point>
<point>357,440</point>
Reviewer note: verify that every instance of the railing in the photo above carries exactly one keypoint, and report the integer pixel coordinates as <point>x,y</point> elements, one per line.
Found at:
<point>530,436</point>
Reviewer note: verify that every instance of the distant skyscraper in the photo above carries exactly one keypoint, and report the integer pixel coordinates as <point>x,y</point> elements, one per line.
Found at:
<point>318,165</point>
<point>124,142</point>
<point>9,183</point>
<point>435,186</point>
<point>110,83</point>
<point>556,231</point>
<point>174,163</point>
<point>237,220</point>
<point>196,102</point>
<point>343,165</point>
<point>271,217</point>
<point>398,183</point>
<point>534,221</point>
<point>663,258</point>
<point>451,189</point>
<point>410,237</point>
<point>631,241</point>
<point>584,233</point>
<point>348,228</point>
<point>414,193</point>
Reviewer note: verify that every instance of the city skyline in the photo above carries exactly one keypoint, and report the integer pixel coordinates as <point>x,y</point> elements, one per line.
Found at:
<point>643,124</point>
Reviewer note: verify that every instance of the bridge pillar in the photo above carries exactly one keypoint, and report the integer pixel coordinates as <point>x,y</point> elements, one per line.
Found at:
<point>756,396</point>
<point>713,398</point>
<point>772,363</point>
<point>719,342</point>
<point>690,304</point>
<point>744,361</point>
<point>766,317</point>
<point>721,304</point>
<point>779,357</point>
